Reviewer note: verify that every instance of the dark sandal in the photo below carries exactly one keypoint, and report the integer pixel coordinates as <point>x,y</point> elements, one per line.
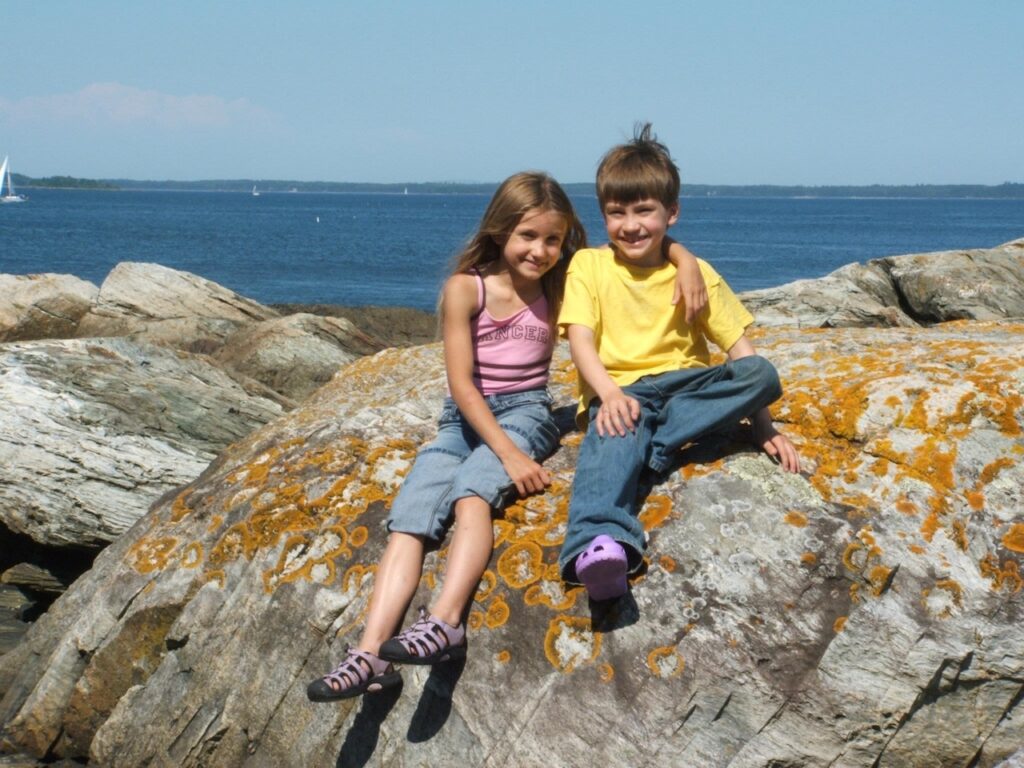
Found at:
<point>355,675</point>
<point>428,641</point>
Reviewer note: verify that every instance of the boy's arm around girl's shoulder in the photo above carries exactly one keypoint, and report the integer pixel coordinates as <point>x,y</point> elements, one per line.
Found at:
<point>459,305</point>
<point>766,436</point>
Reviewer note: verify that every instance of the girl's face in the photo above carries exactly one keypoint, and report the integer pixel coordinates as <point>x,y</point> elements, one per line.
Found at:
<point>535,245</point>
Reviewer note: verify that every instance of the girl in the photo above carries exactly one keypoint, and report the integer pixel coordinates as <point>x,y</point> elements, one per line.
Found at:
<point>497,311</point>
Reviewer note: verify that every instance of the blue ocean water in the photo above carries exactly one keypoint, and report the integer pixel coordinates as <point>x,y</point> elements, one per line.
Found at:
<point>358,249</point>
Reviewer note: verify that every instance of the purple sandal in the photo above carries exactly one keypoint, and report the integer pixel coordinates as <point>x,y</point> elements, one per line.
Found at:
<point>359,672</point>
<point>428,641</point>
<point>601,568</point>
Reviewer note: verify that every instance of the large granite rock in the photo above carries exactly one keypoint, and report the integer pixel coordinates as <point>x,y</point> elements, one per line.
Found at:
<point>916,289</point>
<point>865,614</point>
<point>296,354</point>
<point>167,306</point>
<point>45,306</point>
<point>96,430</point>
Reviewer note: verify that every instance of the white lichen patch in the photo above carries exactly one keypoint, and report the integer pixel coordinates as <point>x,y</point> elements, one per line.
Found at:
<point>389,470</point>
<point>573,647</point>
<point>668,665</point>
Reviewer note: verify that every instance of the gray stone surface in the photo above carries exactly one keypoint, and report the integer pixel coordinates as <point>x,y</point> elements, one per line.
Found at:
<point>916,289</point>
<point>167,306</point>
<point>867,613</point>
<point>94,431</point>
<point>296,354</point>
<point>42,306</point>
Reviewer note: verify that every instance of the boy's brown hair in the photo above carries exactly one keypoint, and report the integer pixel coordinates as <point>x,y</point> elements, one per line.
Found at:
<point>639,169</point>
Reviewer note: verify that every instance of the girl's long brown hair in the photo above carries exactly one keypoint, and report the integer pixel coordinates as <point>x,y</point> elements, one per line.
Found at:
<point>517,196</point>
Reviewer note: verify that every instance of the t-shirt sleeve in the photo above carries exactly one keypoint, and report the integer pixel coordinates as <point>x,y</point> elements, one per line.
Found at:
<point>579,305</point>
<point>725,318</point>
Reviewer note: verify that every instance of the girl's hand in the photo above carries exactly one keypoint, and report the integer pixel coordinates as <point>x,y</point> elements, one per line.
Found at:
<point>618,414</point>
<point>776,445</point>
<point>690,288</point>
<point>527,474</point>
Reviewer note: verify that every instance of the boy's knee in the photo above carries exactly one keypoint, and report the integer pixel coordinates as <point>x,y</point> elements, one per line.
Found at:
<point>761,374</point>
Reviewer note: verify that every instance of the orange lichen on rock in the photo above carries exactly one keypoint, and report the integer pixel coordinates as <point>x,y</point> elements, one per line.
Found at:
<point>930,526</point>
<point>809,559</point>
<point>1006,576</point>
<point>521,564</point>
<point>693,471</point>
<point>148,555</point>
<point>1013,539</point>
<point>879,579</point>
<point>947,596</point>
<point>796,518</point>
<point>655,512</point>
<point>958,532</point>
<point>906,506</point>
<point>497,613</point>
<point>667,563</point>
<point>666,662</point>
<point>359,536</point>
<point>503,657</point>
<point>839,624</point>
<point>569,643</point>
<point>552,594</point>
<point>180,508</point>
<point>355,576</point>
<point>192,555</point>
<point>488,581</point>
<point>606,672</point>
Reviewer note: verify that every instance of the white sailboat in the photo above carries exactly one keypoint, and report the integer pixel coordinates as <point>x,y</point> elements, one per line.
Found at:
<point>255,192</point>
<point>6,188</point>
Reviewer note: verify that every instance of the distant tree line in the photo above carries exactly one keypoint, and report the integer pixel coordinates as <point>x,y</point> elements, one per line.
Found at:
<point>1005,190</point>
<point>60,182</point>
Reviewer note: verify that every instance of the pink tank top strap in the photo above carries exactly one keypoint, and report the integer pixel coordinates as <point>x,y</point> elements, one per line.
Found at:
<point>481,295</point>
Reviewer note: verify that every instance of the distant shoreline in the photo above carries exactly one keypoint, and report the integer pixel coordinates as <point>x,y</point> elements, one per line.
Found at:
<point>1005,191</point>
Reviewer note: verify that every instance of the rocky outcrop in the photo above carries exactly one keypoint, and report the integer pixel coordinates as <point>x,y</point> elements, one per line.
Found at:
<point>865,613</point>
<point>43,306</point>
<point>96,430</point>
<point>167,306</point>
<point>917,289</point>
<point>296,354</point>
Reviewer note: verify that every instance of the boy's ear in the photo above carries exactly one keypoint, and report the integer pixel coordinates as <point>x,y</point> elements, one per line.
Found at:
<point>673,214</point>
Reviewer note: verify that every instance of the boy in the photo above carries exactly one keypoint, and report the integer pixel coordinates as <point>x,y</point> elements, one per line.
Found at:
<point>646,385</point>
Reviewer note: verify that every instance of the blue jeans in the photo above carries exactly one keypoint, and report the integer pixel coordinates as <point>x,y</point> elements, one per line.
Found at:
<point>675,409</point>
<point>457,463</point>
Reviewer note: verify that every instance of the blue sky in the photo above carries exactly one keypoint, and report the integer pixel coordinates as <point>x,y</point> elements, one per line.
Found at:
<point>742,91</point>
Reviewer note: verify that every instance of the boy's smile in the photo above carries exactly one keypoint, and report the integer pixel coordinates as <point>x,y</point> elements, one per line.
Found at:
<point>636,230</point>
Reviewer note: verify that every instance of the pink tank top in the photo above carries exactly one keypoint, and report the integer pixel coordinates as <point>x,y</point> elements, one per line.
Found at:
<point>512,354</point>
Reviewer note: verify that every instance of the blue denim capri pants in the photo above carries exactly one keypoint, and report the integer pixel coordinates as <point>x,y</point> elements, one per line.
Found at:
<point>457,463</point>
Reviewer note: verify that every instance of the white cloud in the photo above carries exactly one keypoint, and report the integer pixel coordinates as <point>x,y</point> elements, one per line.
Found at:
<point>115,104</point>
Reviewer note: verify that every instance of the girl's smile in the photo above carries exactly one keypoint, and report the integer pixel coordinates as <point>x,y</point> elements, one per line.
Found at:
<point>535,245</point>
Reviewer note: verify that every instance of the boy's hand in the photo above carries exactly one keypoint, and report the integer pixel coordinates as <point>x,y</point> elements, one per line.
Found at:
<point>527,474</point>
<point>776,445</point>
<point>617,415</point>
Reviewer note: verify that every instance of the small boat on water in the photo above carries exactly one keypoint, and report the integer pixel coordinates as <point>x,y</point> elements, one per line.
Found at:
<point>6,188</point>
<point>255,192</point>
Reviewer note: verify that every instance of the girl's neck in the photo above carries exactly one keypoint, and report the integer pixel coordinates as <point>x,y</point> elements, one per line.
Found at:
<point>506,291</point>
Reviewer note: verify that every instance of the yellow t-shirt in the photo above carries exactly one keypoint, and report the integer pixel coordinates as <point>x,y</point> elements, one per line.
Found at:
<point>637,330</point>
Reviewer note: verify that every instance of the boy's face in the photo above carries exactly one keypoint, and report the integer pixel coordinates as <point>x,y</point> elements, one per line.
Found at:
<point>637,230</point>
